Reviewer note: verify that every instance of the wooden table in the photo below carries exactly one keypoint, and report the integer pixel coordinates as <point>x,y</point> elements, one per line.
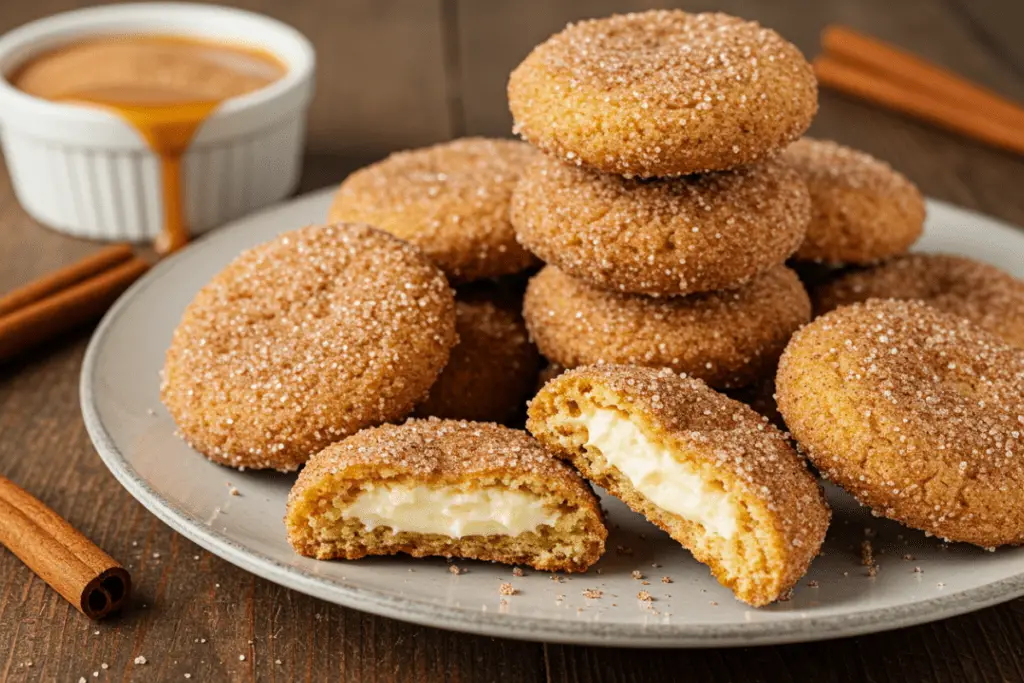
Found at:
<point>403,73</point>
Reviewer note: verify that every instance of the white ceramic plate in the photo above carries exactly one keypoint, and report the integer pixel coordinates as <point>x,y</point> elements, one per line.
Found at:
<point>135,437</point>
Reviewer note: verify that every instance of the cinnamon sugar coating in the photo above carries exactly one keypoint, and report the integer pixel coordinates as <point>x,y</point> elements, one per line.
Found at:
<point>304,340</point>
<point>917,413</point>
<point>450,200</point>
<point>665,236</point>
<point>663,93</point>
<point>985,295</point>
<point>492,370</point>
<point>433,452</point>
<point>861,209</point>
<point>732,448</point>
<point>728,339</point>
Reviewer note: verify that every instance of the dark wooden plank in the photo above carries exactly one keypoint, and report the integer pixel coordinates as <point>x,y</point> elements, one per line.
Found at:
<point>988,647</point>
<point>380,76</point>
<point>996,24</point>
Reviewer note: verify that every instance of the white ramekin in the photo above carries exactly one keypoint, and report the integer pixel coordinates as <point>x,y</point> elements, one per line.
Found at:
<point>87,172</point>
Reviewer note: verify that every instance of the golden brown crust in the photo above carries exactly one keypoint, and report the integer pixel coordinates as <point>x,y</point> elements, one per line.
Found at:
<point>668,236</point>
<point>451,200</point>
<point>985,295</point>
<point>728,339</point>
<point>861,209</point>
<point>663,93</point>
<point>304,340</point>
<point>492,370</point>
<point>448,452</point>
<point>917,413</point>
<point>725,440</point>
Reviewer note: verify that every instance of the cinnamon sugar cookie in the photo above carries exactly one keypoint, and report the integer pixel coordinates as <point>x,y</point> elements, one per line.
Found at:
<point>441,487</point>
<point>706,469</point>
<point>917,413</point>
<point>304,340</point>
<point>861,209</point>
<point>663,93</point>
<point>492,370</point>
<point>728,339</point>
<point>450,200</point>
<point>983,294</point>
<point>667,236</point>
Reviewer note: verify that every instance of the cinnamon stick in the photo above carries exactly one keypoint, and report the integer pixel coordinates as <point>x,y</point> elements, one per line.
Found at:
<point>923,105</point>
<point>65,277</point>
<point>846,45</point>
<point>53,315</point>
<point>70,563</point>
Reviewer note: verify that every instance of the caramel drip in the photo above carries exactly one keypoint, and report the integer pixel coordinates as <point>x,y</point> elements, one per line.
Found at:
<point>165,87</point>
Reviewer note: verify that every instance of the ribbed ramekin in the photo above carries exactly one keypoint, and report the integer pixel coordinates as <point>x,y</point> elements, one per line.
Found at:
<point>87,172</point>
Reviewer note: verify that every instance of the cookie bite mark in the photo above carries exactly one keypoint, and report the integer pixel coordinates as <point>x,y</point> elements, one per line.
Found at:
<point>862,210</point>
<point>661,236</point>
<point>663,93</point>
<point>449,488</point>
<point>983,294</point>
<point>451,200</point>
<point>917,413</point>
<point>304,340</point>
<point>706,469</point>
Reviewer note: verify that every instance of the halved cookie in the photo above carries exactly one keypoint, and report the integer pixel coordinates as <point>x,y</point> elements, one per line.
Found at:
<point>445,487</point>
<point>703,467</point>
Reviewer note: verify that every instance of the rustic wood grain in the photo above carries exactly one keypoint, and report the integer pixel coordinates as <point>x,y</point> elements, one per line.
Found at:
<point>403,73</point>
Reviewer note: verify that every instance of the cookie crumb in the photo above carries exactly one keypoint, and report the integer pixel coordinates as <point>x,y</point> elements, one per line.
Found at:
<point>867,557</point>
<point>140,660</point>
<point>645,596</point>
<point>812,584</point>
<point>593,593</point>
<point>507,589</point>
<point>918,570</point>
<point>556,578</point>
<point>454,569</point>
<point>637,575</point>
<point>666,579</point>
<point>517,572</point>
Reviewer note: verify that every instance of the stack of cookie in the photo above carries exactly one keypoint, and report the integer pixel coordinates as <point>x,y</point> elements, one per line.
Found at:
<point>660,207</point>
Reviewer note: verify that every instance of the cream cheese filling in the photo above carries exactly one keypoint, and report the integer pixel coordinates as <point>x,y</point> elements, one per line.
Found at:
<point>654,472</point>
<point>449,511</point>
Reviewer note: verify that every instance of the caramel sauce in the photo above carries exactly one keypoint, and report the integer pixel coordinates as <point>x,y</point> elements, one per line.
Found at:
<point>164,86</point>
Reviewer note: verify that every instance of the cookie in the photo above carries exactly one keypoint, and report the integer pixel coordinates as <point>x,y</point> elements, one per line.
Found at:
<point>304,340</point>
<point>450,200</point>
<point>728,339</point>
<point>492,370</point>
<point>666,236</point>
<point>442,487</point>
<point>663,93</point>
<point>862,210</point>
<point>985,295</point>
<point>706,469</point>
<point>917,413</point>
